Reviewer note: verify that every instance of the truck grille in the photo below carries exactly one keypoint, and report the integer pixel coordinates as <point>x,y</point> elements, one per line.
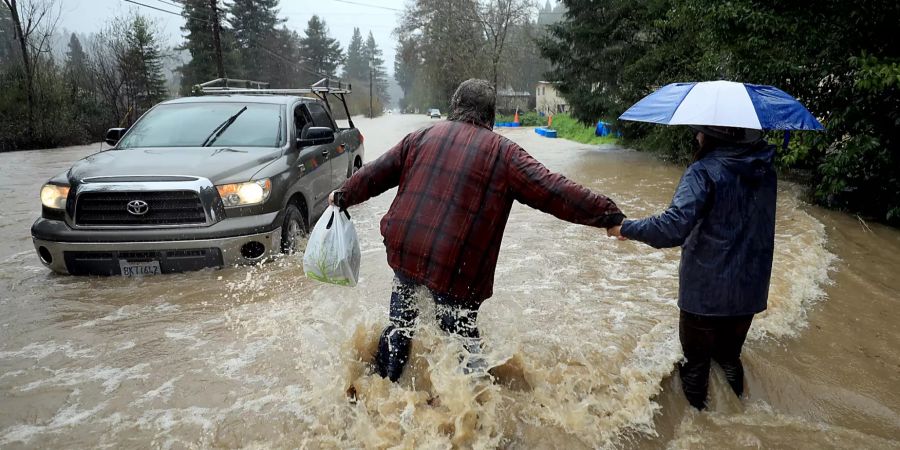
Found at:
<point>170,261</point>
<point>162,208</point>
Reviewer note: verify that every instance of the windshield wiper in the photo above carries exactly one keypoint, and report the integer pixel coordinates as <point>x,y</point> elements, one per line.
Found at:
<point>208,142</point>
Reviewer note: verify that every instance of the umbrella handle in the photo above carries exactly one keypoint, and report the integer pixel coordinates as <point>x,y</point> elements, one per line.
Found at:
<point>787,139</point>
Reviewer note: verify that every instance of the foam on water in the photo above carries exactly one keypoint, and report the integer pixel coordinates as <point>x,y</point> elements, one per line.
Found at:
<point>582,331</point>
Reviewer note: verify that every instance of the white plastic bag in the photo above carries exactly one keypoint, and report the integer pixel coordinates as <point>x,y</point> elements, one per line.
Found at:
<point>332,253</point>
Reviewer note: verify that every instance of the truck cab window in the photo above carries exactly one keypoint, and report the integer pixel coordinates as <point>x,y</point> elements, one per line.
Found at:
<point>302,122</point>
<point>320,117</point>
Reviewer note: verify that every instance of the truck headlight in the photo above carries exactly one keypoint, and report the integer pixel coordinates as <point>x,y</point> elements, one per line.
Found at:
<point>245,194</point>
<point>54,196</point>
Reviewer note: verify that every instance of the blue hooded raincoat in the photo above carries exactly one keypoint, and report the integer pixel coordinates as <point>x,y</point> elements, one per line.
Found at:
<point>723,217</point>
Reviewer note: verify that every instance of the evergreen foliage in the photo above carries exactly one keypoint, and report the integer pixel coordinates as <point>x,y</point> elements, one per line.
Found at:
<point>199,43</point>
<point>319,53</point>
<point>373,55</point>
<point>840,59</point>
<point>356,66</point>
<point>141,64</point>
<point>253,24</point>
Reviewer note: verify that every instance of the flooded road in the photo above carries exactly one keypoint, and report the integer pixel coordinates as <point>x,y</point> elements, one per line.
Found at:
<point>583,329</point>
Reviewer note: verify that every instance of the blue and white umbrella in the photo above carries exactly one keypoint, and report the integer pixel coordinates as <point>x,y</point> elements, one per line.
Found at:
<point>723,103</point>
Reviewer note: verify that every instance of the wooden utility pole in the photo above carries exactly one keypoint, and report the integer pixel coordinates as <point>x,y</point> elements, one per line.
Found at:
<point>217,41</point>
<point>371,88</point>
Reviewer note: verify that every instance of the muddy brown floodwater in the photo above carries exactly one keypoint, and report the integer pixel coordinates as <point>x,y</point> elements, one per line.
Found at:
<point>582,328</point>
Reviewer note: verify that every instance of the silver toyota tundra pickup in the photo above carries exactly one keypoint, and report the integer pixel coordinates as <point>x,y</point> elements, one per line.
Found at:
<point>225,178</point>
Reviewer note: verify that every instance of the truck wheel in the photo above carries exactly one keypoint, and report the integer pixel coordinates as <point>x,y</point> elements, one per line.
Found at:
<point>293,230</point>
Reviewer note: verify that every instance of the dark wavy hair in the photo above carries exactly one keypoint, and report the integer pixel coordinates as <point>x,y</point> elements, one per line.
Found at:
<point>474,102</point>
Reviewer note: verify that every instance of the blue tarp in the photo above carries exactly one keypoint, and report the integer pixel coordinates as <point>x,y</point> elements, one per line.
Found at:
<point>604,129</point>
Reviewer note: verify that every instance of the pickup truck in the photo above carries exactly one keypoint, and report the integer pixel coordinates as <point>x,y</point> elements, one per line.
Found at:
<point>207,181</point>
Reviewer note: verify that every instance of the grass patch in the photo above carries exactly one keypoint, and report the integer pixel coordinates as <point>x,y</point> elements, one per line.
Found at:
<point>568,128</point>
<point>527,119</point>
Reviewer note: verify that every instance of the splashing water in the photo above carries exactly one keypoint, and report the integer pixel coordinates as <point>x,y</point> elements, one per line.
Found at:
<point>581,335</point>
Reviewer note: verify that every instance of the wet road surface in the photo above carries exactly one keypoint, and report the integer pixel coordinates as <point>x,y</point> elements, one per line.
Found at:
<point>583,330</point>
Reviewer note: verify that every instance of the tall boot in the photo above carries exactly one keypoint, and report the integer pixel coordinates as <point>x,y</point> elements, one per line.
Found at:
<point>393,353</point>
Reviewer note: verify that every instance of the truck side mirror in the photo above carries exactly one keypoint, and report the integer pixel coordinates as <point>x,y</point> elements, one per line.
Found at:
<point>113,135</point>
<point>316,136</point>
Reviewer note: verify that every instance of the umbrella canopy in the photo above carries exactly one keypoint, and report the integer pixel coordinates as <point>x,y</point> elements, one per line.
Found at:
<point>723,103</point>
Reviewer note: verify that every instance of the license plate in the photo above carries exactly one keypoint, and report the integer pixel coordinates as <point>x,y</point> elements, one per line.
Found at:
<point>139,269</point>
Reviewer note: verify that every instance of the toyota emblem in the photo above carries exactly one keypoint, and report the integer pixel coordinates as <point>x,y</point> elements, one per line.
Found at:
<point>137,207</point>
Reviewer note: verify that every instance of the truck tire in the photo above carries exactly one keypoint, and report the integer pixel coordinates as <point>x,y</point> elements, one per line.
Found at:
<point>293,230</point>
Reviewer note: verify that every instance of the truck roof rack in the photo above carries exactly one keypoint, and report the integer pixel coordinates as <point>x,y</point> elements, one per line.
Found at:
<point>321,89</point>
<point>222,86</point>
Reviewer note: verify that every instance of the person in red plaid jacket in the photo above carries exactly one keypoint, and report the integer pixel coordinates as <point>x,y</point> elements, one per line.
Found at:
<point>456,183</point>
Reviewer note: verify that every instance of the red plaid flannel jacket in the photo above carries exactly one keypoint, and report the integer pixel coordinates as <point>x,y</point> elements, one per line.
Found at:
<point>457,182</point>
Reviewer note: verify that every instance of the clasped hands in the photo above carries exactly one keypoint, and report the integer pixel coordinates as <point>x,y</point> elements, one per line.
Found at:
<point>616,232</point>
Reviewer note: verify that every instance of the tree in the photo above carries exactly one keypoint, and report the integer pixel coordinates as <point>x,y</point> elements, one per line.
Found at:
<point>373,56</point>
<point>320,54</point>
<point>451,47</point>
<point>144,82</point>
<point>839,59</point>
<point>496,17</point>
<point>7,38</point>
<point>76,68</point>
<point>33,24</point>
<point>76,60</point>
<point>522,65</point>
<point>356,66</point>
<point>407,65</point>
<point>283,70</point>
<point>200,20</point>
<point>254,23</point>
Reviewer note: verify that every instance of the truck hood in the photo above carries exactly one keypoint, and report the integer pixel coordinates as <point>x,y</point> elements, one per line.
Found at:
<point>219,165</point>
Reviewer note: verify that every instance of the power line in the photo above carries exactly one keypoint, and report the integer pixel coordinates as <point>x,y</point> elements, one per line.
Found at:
<point>369,5</point>
<point>177,5</point>
<point>294,63</point>
<point>153,7</point>
<point>199,19</point>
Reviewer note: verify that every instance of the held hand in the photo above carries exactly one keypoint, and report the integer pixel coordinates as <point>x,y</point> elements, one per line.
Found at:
<point>616,231</point>
<point>331,198</point>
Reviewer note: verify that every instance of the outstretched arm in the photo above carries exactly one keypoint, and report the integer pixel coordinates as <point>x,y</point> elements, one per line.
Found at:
<point>672,227</point>
<point>536,186</point>
<point>373,178</point>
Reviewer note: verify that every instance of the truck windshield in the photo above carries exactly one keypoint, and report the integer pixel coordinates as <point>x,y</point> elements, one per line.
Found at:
<point>189,125</point>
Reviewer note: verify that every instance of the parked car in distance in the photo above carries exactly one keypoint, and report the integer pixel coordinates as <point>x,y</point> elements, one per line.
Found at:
<point>434,113</point>
<point>196,182</point>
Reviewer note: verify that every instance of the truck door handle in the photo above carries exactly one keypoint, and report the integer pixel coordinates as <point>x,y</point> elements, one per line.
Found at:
<point>325,153</point>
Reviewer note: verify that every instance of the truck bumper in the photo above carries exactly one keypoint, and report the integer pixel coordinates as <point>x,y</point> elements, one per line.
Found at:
<point>90,253</point>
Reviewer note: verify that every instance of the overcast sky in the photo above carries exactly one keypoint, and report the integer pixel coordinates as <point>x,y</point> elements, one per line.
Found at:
<point>88,16</point>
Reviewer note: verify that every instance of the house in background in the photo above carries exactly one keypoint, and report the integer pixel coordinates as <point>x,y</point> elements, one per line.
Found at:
<point>548,100</point>
<point>509,100</point>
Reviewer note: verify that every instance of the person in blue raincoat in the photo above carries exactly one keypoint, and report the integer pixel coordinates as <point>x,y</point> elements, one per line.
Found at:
<point>723,217</point>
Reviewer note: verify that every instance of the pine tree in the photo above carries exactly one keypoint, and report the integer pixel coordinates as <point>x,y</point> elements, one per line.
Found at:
<point>198,29</point>
<point>76,68</point>
<point>143,76</point>
<point>407,64</point>
<point>373,56</point>
<point>283,70</point>
<point>254,23</point>
<point>356,68</point>
<point>319,53</point>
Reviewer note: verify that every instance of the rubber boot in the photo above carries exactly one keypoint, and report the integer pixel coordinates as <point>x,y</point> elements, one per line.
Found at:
<point>393,353</point>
